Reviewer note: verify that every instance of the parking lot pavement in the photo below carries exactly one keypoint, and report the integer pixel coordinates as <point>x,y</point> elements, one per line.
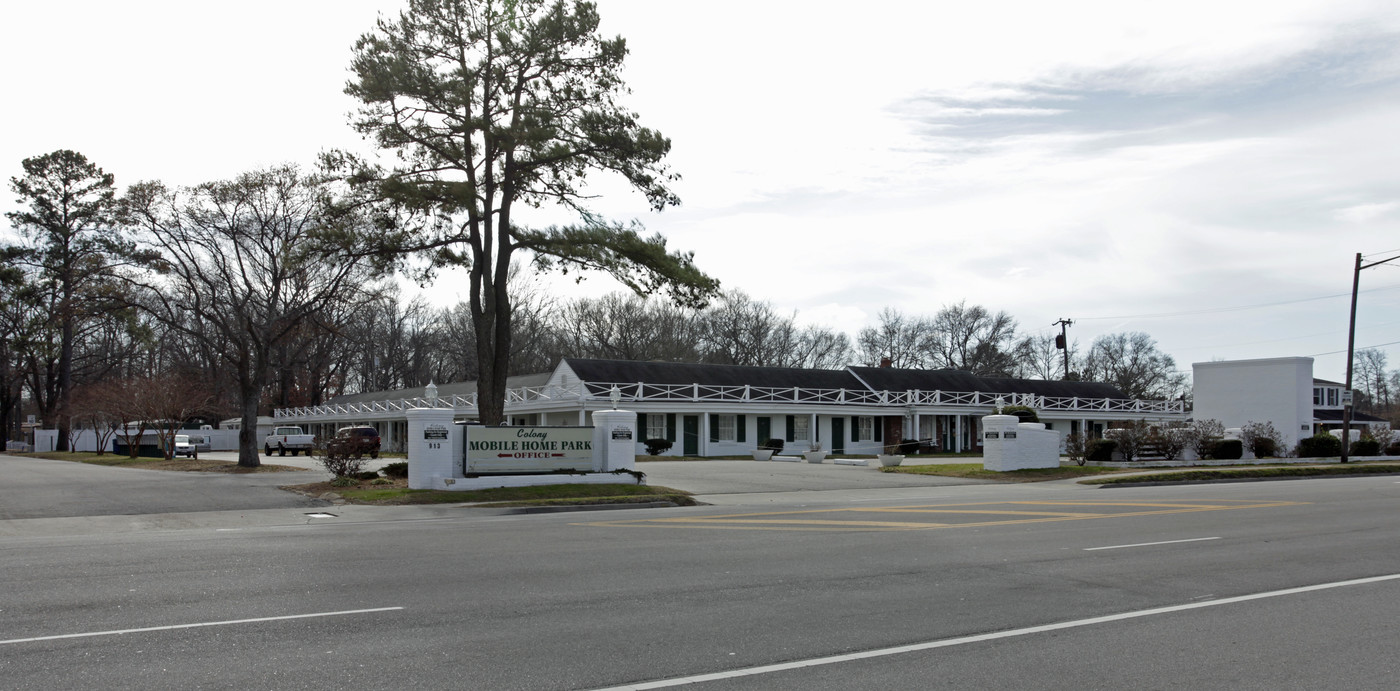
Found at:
<point>41,488</point>
<point>744,477</point>
<point>301,461</point>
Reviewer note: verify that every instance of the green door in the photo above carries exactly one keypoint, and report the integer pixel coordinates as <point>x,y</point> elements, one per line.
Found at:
<point>838,435</point>
<point>690,444</point>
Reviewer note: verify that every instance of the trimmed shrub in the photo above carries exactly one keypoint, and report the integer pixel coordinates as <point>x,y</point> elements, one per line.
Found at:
<point>1260,438</point>
<point>366,475</point>
<point>1393,449</point>
<point>1024,413</point>
<point>342,456</point>
<point>1264,447</point>
<point>1202,435</point>
<point>399,469</point>
<point>1101,450</point>
<point>1227,449</point>
<point>656,447</point>
<point>1365,447</point>
<point>1319,445</point>
<point>1076,446</point>
<point>774,444</point>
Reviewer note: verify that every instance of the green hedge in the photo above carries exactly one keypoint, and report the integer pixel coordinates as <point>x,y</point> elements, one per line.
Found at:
<point>1024,413</point>
<point>1101,450</point>
<point>1319,445</point>
<point>1228,449</point>
<point>1366,447</point>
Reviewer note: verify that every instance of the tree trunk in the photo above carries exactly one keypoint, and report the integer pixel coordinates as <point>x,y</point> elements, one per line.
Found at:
<point>248,441</point>
<point>65,382</point>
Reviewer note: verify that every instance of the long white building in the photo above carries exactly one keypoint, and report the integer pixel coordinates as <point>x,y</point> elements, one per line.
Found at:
<point>722,410</point>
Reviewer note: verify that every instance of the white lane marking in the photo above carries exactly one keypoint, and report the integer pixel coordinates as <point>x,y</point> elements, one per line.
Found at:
<point>197,625</point>
<point>1150,544</point>
<point>950,642</point>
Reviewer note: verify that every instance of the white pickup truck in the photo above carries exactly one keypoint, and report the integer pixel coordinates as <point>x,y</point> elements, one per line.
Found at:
<point>285,439</point>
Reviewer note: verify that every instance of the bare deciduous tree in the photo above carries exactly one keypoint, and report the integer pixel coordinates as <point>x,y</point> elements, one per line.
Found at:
<point>245,271</point>
<point>1132,362</point>
<point>901,339</point>
<point>973,339</point>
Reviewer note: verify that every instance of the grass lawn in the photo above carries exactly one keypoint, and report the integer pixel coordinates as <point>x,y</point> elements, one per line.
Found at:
<point>975,471</point>
<point>199,465</point>
<point>1209,474</point>
<point>1131,475</point>
<point>396,491</point>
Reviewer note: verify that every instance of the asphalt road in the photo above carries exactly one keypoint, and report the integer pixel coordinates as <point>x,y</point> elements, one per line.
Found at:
<point>970,586</point>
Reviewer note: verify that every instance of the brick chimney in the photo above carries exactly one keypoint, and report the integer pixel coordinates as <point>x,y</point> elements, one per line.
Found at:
<point>885,362</point>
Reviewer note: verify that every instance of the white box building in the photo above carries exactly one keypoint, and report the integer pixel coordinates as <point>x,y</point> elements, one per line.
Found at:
<point>1274,390</point>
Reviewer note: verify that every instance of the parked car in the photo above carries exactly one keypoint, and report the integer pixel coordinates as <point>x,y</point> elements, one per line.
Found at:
<point>286,439</point>
<point>200,442</point>
<point>366,438</point>
<point>183,447</point>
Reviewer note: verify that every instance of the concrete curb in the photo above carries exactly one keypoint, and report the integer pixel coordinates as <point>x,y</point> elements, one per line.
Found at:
<point>1230,480</point>
<point>582,507</point>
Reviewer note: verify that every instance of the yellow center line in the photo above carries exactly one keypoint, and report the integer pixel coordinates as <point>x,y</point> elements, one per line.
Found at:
<point>810,521</point>
<point>793,520</point>
<point>985,511</point>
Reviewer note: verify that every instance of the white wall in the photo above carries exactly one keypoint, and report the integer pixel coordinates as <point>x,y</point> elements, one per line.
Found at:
<point>1274,390</point>
<point>86,439</point>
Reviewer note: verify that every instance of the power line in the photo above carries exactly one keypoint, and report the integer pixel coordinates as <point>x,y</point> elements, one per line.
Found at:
<point>1334,352</point>
<point>1215,310</point>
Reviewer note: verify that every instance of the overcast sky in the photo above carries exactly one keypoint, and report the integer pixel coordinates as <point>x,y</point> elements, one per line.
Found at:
<point>1201,171</point>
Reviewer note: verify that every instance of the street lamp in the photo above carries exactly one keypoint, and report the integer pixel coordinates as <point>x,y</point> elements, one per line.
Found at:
<point>1351,345</point>
<point>430,393</point>
<point>615,396</point>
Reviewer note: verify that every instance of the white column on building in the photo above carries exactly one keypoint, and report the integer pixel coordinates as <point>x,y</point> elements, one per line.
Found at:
<point>957,433</point>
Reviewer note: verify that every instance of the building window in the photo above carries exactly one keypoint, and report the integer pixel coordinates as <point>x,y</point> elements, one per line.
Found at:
<point>656,426</point>
<point>801,430</point>
<point>1332,397</point>
<point>727,425</point>
<point>865,428</point>
<point>1317,395</point>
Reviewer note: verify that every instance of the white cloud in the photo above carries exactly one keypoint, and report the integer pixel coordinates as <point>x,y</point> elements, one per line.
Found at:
<point>1365,213</point>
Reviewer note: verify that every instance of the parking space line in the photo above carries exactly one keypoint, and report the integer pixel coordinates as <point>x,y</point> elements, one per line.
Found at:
<point>1151,544</point>
<point>172,627</point>
<point>979,638</point>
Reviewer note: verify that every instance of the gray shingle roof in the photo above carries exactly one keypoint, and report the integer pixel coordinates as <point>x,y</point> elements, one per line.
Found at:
<point>892,379</point>
<point>630,371</point>
<point>450,389</point>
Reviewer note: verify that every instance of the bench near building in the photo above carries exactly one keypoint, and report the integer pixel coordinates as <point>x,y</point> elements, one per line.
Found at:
<point>726,410</point>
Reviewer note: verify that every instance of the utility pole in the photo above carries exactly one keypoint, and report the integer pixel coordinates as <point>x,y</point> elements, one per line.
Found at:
<point>1062,342</point>
<point>1347,397</point>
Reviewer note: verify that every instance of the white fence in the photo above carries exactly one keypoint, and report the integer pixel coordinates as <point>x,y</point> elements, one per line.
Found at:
<point>86,439</point>
<point>974,401</point>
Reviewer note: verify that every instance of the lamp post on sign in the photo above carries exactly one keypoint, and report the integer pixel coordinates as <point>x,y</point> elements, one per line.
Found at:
<point>430,393</point>
<point>1351,345</point>
<point>615,396</point>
